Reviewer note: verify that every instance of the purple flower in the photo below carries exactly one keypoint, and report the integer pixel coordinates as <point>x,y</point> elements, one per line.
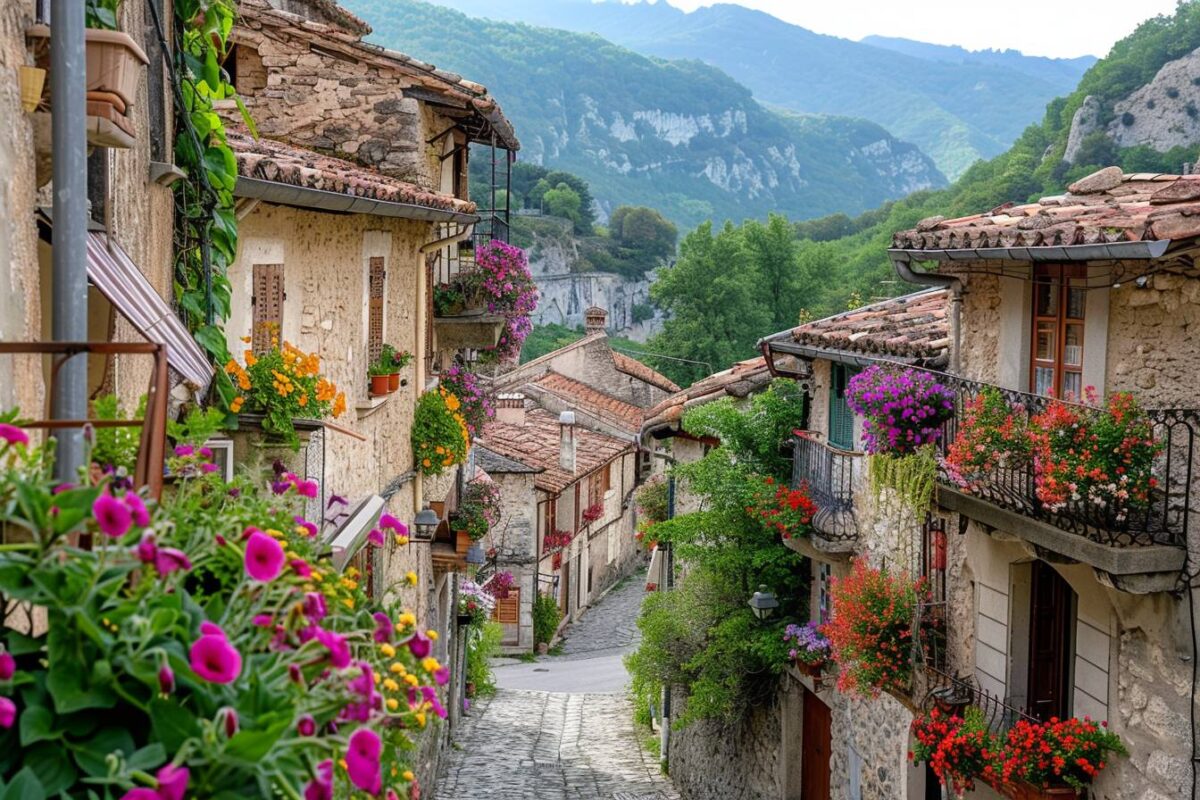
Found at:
<point>13,435</point>
<point>442,675</point>
<point>306,726</point>
<point>8,712</point>
<point>263,620</point>
<point>420,645</point>
<point>307,488</point>
<point>140,793</point>
<point>321,786</point>
<point>264,557</point>
<point>300,567</point>
<point>146,548</point>
<point>339,651</point>
<point>383,627</point>
<point>209,468</point>
<point>336,500</point>
<point>169,559</point>
<point>314,606</point>
<point>166,679</point>
<point>113,516</point>
<point>375,537</point>
<point>137,509</point>
<point>184,450</point>
<point>215,660</point>
<point>172,782</point>
<point>362,760</point>
<point>8,666</point>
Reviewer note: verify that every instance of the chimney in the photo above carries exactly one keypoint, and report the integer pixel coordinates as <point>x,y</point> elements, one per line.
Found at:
<point>595,320</point>
<point>566,441</point>
<point>510,408</point>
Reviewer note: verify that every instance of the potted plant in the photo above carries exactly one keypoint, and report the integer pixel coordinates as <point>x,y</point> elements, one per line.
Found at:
<point>808,649</point>
<point>380,378</point>
<point>902,410</point>
<point>476,404</point>
<point>783,509</point>
<point>957,748</point>
<point>474,604</point>
<point>440,438</point>
<point>870,634</point>
<point>399,359</point>
<point>487,306</point>
<point>1056,757</point>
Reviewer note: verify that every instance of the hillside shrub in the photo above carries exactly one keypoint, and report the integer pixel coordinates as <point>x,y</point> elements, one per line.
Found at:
<point>546,617</point>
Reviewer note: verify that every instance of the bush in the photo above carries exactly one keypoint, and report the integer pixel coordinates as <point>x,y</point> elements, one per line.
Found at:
<point>546,617</point>
<point>483,643</point>
<point>1127,119</point>
<point>653,499</point>
<point>642,312</point>
<point>440,437</point>
<point>116,449</point>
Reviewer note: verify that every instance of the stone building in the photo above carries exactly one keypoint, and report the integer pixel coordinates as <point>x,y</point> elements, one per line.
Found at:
<point>568,518</point>
<point>1035,609</point>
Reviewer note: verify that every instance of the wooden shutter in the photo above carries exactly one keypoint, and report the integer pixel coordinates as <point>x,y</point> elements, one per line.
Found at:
<point>841,419</point>
<point>268,305</point>
<point>508,610</point>
<point>375,283</point>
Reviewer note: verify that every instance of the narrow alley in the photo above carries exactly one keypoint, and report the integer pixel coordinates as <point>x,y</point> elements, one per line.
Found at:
<point>561,728</point>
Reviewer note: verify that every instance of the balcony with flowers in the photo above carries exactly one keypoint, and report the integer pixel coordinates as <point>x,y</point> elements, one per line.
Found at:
<point>1106,483</point>
<point>829,474</point>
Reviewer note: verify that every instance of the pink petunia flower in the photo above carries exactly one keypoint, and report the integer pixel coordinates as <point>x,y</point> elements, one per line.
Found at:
<point>300,567</point>
<point>13,435</point>
<point>263,620</point>
<point>264,557</point>
<point>307,488</point>
<point>321,786</point>
<point>172,782</point>
<point>375,537</point>
<point>362,760</point>
<point>169,559</point>
<point>383,627</point>
<point>442,675</point>
<point>8,666</point>
<point>211,629</point>
<point>306,726</point>
<point>339,651</point>
<point>215,660</point>
<point>8,712</point>
<point>137,509</point>
<point>140,793</point>
<point>113,516</point>
<point>146,548</point>
<point>314,606</point>
<point>310,529</point>
<point>394,525</point>
<point>184,450</point>
<point>420,645</point>
<point>166,679</point>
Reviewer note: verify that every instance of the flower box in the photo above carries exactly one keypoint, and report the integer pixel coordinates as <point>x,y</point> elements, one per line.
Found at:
<point>260,450</point>
<point>1027,791</point>
<point>474,329</point>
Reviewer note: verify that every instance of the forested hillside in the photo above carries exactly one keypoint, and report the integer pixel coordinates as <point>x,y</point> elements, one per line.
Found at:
<point>956,106</point>
<point>681,137</point>
<point>840,260</point>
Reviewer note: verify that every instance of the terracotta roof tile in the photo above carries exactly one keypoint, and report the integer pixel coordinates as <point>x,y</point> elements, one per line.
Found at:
<point>740,380</point>
<point>913,328</point>
<point>1105,207</point>
<point>536,443</point>
<point>284,163</point>
<point>615,412</point>
<point>631,366</point>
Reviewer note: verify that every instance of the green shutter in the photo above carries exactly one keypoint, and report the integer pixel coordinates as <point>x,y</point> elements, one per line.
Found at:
<point>841,418</point>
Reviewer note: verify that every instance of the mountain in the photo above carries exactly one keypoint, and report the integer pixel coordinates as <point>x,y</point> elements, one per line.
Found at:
<point>679,136</point>
<point>957,108</point>
<point>1136,108</point>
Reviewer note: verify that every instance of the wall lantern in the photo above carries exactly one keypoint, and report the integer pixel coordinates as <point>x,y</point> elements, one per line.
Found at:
<point>425,524</point>
<point>763,603</point>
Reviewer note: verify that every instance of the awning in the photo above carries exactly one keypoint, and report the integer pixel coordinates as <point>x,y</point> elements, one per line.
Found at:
<point>111,271</point>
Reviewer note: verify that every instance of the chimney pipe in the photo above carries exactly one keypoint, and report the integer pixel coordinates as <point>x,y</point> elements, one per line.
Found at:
<point>510,408</point>
<point>595,320</point>
<point>566,446</point>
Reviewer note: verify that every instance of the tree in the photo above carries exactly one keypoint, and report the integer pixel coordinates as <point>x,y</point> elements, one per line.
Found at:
<point>524,177</point>
<point>551,181</point>
<point>563,201</point>
<point>772,255</point>
<point>716,308</point>
<point>645,231</point>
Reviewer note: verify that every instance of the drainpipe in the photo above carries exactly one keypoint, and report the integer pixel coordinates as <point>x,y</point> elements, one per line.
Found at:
<point>438,244</point>
<point>69,260</point>
<point>904,271</point>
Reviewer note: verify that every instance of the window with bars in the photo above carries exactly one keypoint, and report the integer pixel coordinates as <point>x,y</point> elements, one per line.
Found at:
<point>1059,305</point>
<point>841,418</point>
<point>267,302</point>
<point>933,612</point>
<point>824,592</point>
<point>376,279</point>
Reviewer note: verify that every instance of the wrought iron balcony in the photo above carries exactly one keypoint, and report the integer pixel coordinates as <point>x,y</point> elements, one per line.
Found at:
<point>830,474</point>
<point>1161,520</point>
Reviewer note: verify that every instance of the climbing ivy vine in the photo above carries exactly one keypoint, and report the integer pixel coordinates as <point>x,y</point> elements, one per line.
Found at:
<point>205,220</point>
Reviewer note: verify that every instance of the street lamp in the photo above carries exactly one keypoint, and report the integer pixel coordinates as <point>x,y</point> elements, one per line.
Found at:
<point>425,524</point>
<point>763,603</point>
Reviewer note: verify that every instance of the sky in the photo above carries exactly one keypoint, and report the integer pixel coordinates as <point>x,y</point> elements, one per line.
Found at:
<point>1060,28</point>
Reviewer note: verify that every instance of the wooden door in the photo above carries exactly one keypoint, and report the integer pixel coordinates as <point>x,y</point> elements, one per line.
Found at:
<point>1050,607</point>
<point>267,299</point>
<point>814,774</point>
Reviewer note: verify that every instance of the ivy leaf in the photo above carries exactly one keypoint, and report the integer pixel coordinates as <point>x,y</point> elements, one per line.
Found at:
<point>25,786</point>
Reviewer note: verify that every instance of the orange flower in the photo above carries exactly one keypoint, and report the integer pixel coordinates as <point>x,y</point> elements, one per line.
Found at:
<point>236,405</point>
<point>339,405</point>
<point>302,400</point>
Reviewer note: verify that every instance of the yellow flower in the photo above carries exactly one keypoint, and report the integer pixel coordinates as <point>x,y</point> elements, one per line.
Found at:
<point>430,664</point>
<point>387,650</point>
<point>349,602</point>
<point>397,668</point>
<point>401,540</point>
<point>247,339</point>
<point>411,679</point>
<point>275,533</point>
<point>432,634</point>
<point>342,763</point>
<point>411,577</point>
<point>408,775</point>
<point>316,576</point>
<point>377,677</point>
<point>421,718</point>
<point>349,584</point>
<point>406,619</point>
<point>393,703</point>
<point>391,685</point>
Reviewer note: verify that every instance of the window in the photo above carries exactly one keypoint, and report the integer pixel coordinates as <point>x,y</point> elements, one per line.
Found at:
<point>599,482</point>
<point>376,276</point>
<point>824,596</point>
<point>1059,300</point>
<point>551,516</point>
<point>841,418</point>
<point>268,305</point>
<point>934,613</point>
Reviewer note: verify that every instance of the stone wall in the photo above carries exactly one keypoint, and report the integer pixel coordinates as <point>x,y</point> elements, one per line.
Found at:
<point>711,761</point>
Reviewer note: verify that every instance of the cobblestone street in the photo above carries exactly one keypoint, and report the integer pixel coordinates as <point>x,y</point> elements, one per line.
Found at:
<point>565,744</point>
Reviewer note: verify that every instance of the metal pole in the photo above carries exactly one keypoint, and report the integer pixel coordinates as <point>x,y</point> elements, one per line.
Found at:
<point>68,87</point>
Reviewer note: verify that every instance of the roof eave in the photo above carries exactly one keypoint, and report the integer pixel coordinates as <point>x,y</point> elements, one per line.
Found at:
<point>1113,251</point>
<point>287,194</point>
<point>853,358</point>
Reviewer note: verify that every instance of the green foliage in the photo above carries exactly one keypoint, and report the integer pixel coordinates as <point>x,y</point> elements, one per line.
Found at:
<point>912,477</point>
<point>208,224</point>
<point>102,13</point>
<point>653,499</point>
<point>197,427</point>
<point>641,312</point>
<point>644,237</point>
<point>116,448</point>
<point>483,643</point>
<point>440,438</point>
<point>703,635</point>
<point>546,617</point>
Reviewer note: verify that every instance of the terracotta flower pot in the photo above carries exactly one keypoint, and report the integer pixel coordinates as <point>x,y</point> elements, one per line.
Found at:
<point>379,385</point>
<point>114,63</point>
<point>462,543</point>
<point>393,381</point>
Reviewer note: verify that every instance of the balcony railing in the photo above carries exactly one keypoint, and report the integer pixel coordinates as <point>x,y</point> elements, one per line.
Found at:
<point>830,474</point>
<point>1161,520</point>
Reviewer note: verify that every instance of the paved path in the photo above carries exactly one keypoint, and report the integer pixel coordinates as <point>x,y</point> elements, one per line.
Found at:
<point>561,728</point>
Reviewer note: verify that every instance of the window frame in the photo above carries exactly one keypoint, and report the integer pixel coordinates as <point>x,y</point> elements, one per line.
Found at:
<point>1063,278</point>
